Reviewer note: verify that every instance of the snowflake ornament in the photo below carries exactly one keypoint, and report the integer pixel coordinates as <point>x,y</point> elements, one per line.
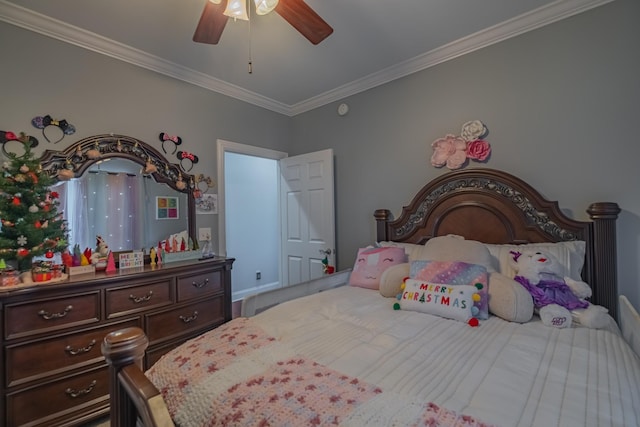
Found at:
<point>22,241</point>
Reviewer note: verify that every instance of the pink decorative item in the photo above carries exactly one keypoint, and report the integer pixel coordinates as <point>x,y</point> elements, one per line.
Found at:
<point>478,150</point>
<point>450,151</point>
<point>453,151</point>
<point>372,262</point>
<point>111,264</point>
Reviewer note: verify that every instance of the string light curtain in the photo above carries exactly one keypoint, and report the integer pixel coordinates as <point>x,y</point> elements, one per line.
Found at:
<point>115,198</point>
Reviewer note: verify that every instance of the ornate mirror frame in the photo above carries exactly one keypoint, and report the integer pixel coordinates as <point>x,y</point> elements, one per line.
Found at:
<point>78,157</point>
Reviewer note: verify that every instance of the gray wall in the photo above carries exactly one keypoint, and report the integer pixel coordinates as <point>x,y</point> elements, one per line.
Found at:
<point>98,95</point>
<point>560,103</point>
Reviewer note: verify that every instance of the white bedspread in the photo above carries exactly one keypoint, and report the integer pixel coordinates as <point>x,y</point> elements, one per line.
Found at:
<point>502,373</point>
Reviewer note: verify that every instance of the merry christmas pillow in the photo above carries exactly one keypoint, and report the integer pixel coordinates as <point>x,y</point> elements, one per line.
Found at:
<point>456,273</point>
<point>449,301</point>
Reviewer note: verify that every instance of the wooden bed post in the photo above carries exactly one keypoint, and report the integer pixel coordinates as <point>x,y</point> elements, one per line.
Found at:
<point>123,348</point>
<point>382,216</point>
<point>604,216</point>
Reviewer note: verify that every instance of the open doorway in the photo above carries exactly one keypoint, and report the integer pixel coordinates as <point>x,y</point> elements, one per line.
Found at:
<point>249,218</point>
<point>276,216</point>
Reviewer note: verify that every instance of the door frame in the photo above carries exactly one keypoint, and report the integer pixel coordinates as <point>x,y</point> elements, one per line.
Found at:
<point>222,147</point>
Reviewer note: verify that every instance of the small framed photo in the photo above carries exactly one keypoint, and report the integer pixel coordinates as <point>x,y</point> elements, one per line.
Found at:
<point>207,204</point>
<point>167,208</point>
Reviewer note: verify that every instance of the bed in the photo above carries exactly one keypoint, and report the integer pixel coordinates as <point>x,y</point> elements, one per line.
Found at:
<point>341,355</point>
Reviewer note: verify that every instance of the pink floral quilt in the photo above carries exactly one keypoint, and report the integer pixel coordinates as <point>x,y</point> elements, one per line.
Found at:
<point>237,375</point>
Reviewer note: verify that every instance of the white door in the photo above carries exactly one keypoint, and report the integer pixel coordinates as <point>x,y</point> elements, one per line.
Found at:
<point>307,215</point>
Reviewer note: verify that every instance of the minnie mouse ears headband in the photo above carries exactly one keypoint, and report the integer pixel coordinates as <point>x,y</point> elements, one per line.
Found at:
<point>20,143</point>
<point>176,140</point>
<point>190,157</point>
<point>186,158</point>
<point>43,122</point>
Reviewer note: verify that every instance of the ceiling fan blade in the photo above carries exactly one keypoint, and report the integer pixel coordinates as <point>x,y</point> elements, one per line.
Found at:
<point>211,25</point>
<point>304,19</point>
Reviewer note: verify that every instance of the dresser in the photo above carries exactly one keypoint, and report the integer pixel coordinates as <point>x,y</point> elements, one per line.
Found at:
<point>53,372</point>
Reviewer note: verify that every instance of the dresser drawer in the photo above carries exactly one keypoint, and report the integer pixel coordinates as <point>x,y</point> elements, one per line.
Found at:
<point>200,284</point>
<point>48,315</point>
<point>51,356</point>
<point>36,404</point>
<point>131,299</point>
<point>179,321</point>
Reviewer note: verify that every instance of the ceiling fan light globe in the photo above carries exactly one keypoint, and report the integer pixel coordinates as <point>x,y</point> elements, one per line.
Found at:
<point>237,9</point>
<point>265,6</point>
<point>216,1</point>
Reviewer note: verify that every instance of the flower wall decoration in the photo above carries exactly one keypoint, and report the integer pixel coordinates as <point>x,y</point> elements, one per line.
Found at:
<point>454,151</point>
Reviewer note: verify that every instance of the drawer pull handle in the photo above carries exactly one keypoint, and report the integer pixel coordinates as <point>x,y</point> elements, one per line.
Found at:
<point>189,319</point>
<point>138,300</point>
<point>75,352</point>
<point>201,284</point>
<point>79,393</point>
<point>50,316</point>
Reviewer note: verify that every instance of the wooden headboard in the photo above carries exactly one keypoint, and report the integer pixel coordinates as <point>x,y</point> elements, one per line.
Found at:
<point>493,206</point>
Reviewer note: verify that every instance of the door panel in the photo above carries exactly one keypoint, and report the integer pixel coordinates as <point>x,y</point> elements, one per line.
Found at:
<point>308,223</point>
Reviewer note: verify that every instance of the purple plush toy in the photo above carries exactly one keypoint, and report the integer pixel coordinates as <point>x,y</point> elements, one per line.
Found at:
<point>558,299</point>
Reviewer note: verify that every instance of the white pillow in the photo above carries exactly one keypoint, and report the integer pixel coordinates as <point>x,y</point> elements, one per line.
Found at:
<point>409,248</point>
<point>570,254</point>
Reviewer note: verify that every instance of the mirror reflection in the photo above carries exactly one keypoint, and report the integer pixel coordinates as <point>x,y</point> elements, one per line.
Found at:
<point>113,199</point>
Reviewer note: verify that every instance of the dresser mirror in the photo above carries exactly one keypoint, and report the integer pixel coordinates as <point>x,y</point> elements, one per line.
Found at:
<point>123,190</point>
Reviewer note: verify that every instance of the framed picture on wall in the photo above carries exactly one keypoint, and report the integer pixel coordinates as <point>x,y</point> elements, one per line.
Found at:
<point>167,207</point>
<point>207,204</point>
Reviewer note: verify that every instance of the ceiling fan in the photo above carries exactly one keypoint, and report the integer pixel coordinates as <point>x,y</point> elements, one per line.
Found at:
<point>296,12</point>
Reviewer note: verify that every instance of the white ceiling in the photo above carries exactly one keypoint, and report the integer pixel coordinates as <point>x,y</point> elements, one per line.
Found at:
<point>374,41</point>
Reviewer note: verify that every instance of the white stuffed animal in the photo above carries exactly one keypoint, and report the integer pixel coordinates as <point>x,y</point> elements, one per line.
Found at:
<point>557,298</point>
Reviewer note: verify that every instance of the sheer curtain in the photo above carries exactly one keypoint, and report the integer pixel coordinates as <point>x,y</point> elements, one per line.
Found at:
<point>105,204</point>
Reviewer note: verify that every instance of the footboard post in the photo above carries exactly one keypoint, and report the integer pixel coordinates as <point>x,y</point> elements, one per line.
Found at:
<point>122,348</point>
<point>604,216</point>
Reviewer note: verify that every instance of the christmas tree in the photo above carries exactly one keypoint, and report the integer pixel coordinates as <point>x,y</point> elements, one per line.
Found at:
<point>31,223</point>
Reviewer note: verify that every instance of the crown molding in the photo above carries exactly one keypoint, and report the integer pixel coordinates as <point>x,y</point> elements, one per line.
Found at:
<point>42,24</point>
<point>47,26</point>
<point>537,18</point>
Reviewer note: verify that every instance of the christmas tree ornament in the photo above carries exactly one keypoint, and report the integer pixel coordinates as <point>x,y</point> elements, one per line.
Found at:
<point>16,201</point>
<point>49,254</point>
<point>33,209</point>
<point>37,224</point>
<point>94,153</point>
<point>22,240</point>
<point>180,184</point>
<point>20,178</point>
<point>22,252</point>
<point>65,174</point>
<point>24,169</point>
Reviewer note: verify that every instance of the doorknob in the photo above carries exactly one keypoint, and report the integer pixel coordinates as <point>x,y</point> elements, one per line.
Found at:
<point>325,251</point>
